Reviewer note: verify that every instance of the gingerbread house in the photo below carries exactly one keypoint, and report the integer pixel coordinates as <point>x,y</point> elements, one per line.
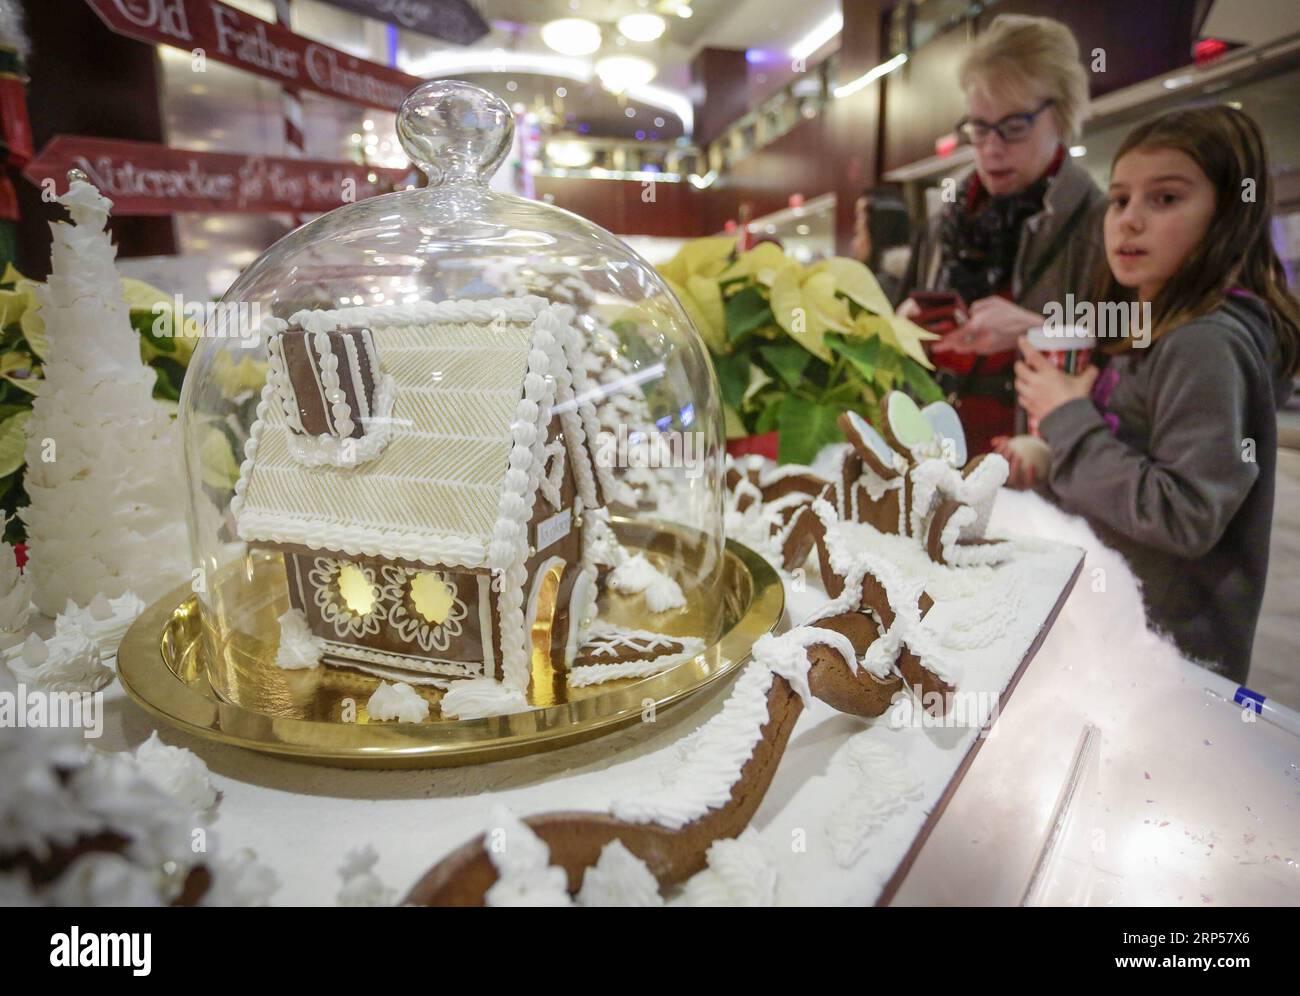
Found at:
<point>425,472</point>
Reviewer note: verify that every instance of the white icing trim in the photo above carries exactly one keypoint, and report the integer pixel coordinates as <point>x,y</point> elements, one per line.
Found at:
<point>345,451</point>
<point>595,674</point>
<point>782,535</point>
<point>337,411</point>
<point>525,876</point>
<point>372,355</point>
<point>485,625</point>
<point>936,479</point>
<point>791,500</point>
<point>508,549</point>
<point>963,554</point>
<point>419,665</point>
<point>745,487</point>
<point>354,372</point>
<point>929,478</point>
<point>700,771</point>
<point>323,578</point>
<point>768,476</point>
<point>503,309</point>
<point>582,426</point>
<point>582,600</point>
<point>876,485</point>
<point>435,550</point>
<point>411,627</point>
<point>398,674</point>
<point>279,386</point>
<point>572,423</point>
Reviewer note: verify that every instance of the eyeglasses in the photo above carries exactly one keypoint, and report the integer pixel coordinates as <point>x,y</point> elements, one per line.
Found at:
<point>1012,128</point>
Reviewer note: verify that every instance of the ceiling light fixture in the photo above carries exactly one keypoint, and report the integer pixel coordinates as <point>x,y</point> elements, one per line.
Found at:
<point>619,73</point>
<point>641,27</point>
<point>571,36</point>
<point>818,36</point>
<point>454,62</point>
<point>450,62</point>
<point>570,155</point>
<point>869,77</point>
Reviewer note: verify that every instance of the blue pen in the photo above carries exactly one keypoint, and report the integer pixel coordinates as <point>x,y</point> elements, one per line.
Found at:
<point>1279,715</point>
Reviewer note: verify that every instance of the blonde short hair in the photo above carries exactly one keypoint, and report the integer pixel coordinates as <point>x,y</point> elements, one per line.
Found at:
<point>1034,57</point>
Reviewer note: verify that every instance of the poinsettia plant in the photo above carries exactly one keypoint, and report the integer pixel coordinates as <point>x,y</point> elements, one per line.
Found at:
<point>794,345</point>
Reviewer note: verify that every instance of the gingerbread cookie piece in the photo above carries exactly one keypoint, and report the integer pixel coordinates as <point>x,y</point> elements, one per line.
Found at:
<point>619,647</point>
<point>611,653</point>
<point>904,427</point>
<point>854,691</point>
<point>803,482</point>
<point>800,534</point>
<point>877,454</point>
<point>947,427</point>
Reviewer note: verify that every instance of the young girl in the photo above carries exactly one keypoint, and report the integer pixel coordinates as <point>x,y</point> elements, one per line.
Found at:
<point>1170,450</point>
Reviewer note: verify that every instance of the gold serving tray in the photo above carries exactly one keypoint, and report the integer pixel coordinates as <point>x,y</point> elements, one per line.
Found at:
<point>163,666</point>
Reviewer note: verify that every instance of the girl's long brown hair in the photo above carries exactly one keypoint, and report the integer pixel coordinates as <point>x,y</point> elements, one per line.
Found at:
<point>1228,147</point>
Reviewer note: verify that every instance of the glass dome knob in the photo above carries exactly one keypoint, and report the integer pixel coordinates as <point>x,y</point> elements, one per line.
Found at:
<point>454,131</point>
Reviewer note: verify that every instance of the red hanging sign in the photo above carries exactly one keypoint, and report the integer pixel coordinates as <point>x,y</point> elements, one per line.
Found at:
<point>451,20</point>
<point>212,30</point>
<point>141,178</point>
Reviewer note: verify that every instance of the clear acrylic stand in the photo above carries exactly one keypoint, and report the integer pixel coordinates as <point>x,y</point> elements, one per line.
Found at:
<point>1066,873</point>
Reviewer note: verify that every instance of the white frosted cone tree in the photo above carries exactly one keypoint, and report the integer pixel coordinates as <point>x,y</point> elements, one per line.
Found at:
<point>107,510</point>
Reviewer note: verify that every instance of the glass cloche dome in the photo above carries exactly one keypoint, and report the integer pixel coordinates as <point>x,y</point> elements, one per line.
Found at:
<point>449,433</point>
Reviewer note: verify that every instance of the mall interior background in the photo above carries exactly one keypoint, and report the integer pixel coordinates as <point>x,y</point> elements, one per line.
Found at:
<point>755,114</point>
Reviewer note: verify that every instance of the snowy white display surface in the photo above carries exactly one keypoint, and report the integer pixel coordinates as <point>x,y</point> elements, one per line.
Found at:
<point>1179,771</point>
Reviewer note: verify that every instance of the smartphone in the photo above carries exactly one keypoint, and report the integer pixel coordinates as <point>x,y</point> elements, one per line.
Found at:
<point>941,311</point>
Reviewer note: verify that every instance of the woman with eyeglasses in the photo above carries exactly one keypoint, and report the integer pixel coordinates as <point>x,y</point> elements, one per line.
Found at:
<point>1023,228</point>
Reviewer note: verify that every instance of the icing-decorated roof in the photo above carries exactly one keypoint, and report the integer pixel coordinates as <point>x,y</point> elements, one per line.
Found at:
<point>474,381</point>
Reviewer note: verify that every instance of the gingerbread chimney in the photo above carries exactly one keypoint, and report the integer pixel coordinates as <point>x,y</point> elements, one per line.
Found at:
<point>326,380</point>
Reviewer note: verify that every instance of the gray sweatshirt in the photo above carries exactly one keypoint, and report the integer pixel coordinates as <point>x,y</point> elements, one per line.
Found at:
<point>1176,472</point>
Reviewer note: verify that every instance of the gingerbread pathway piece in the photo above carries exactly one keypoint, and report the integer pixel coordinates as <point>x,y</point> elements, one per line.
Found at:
<point>855,654</point>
